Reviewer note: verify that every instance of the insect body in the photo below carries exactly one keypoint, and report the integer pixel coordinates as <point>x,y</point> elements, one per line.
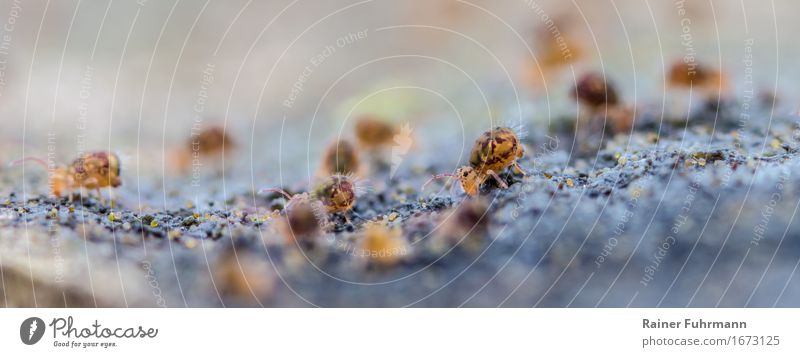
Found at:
<point>554,54</point>
<point>208,144</point>
<point>494,151</point>
<point>383,143</point>
<point>305,215</point>
<point>373,133</point>
<point>340,158</point>
<point>465,225</point>
<point>337,193</point>
<point>304,218</point>
<point>211,141</point>
<point>682,74</point>
<point>707,83</point>
<point>243,277</point>
<point>383,246</point>
<point>94,170</point>
<point>600,95</point>
<point>593,90</point>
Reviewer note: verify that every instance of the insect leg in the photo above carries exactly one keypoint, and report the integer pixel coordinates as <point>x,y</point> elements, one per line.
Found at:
<point>100,196</point>
<point>519,169</point>
<point>355,215</point>
<point>497,178</point>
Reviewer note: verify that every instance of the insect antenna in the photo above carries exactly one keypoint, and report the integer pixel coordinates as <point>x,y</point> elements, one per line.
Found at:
<point>37,160</point>
<point>436,177</point>
<point>276,189</point>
